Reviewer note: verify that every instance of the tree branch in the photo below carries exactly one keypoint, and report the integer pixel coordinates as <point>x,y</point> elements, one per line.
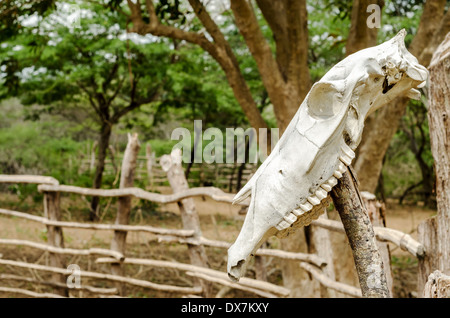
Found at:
<point>259,47</point>
<point>111,76</point>
<point>116,91</point>
<point>270,73</point>
<point>278,25</point>
<point>361,236</point>
<point>91,101</point>
<point>360,36</point>
<point>219,50</point>
<point>297,26</point>
<point>135,104</point>
<point>156,28</point>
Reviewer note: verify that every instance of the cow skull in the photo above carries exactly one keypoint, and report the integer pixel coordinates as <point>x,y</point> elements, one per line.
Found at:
<point>320,142</point>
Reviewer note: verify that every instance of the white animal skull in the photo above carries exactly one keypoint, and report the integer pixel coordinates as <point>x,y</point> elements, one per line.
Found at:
<point>319,143</point>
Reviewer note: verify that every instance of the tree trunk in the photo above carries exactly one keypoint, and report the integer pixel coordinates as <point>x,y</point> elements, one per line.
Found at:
<point>427,179</point>
<point>434,233</point>
<point>360,35</point>
<point>286,77</point>
<point>103,144</point>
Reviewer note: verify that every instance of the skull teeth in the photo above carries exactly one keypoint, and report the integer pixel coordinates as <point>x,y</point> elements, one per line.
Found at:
<point>346,159</point>
<point>332,182</point>
<point>348,151</point>
<point>314,200</point>
<point>291,218</point>
<point>337,174</point>
<point>287,221</point>
<point>298,212</point>
<point>321,194</point>
<point>282,225</point>
<point>306,206</point>
<point>342,167</point>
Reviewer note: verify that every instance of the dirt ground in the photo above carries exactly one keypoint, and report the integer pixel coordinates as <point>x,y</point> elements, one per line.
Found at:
<point>219,221</point>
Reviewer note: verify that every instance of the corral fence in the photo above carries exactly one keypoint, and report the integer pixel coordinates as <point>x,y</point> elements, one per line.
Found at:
<point>227,176</point>
<point>203,277</point>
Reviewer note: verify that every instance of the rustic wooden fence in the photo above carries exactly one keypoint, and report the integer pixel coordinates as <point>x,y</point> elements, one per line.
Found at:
<point>229,176</point>
<point>203,277</point>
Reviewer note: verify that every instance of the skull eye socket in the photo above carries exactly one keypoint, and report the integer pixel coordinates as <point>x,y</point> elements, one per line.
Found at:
<point>323,101</point>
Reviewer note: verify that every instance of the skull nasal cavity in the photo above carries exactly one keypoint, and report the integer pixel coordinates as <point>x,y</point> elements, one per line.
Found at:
<point>386,86</point>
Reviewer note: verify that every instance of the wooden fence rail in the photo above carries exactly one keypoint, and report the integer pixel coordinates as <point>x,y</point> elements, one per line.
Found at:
<point>166,235</point>
<point>116,256</point>
<point>329,283</point>
<point>383,234</point>
<point>84,288</point>
<point>262,289</point>
<point>104,227</point>
<point>214,193</point>
<point>28,179</point>
<point>65,251</point>
<point>209,273</point>
<point>114,278</point>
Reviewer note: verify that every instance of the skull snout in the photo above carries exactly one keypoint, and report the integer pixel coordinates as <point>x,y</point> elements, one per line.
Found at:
<point>236,263</point>
<point>418,73</point>
<point>253,233</point>
<point>414,70</point>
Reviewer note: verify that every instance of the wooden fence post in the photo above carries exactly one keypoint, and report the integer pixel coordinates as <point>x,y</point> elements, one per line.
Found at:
<point>437,286</point>
<point>150,157</point>
<point>118,243</point>
<point>171,164</point>
<point>361,237</point>
<point>434,233</point>
<point>92,159</point>
<point>55,237</point>
<point>322,247</point>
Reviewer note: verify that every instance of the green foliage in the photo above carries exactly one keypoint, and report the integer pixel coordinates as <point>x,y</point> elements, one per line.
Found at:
<point>399,15</point>
<point>170,11</point>
<point>33,147</point>
<point>162,147</point>
<point>85,65</point>
<point>328,23</point>
<point>400,170</point>
<point>409,160</point>
<point>14,12</point>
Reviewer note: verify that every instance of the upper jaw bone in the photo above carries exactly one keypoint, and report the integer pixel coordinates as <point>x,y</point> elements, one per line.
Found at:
<point>346,158</point>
